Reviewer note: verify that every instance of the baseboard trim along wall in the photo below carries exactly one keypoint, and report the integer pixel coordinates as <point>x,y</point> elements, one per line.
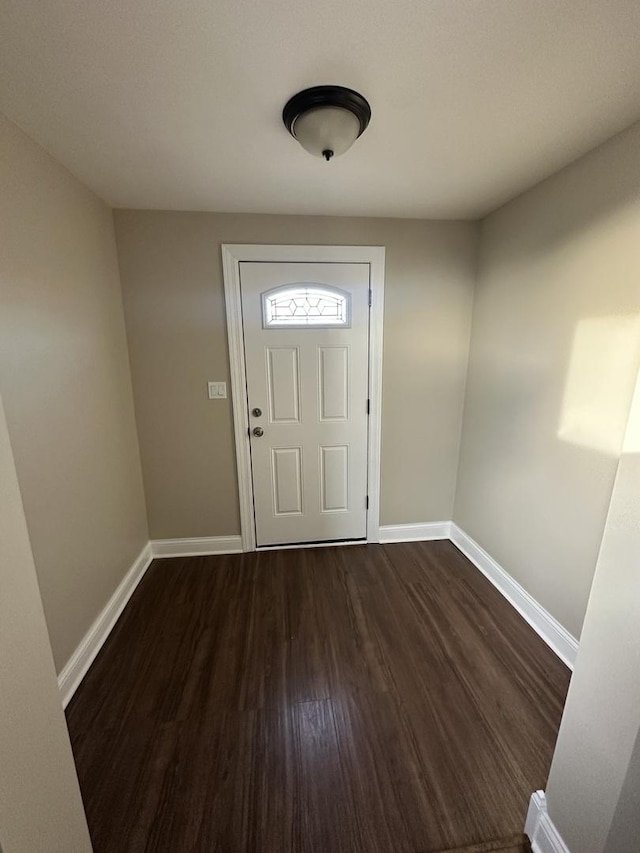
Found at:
<point>78,664</point>
<point>415,532</point>
<point>541,830</point>
<point>551,631</point>
<point>207,545</point>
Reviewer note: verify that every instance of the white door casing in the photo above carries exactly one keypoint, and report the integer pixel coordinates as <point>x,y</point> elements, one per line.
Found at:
<point>319,455</point>
<point>308,378</point>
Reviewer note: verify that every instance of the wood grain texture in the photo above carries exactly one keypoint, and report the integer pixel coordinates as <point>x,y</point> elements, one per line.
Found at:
<point>363,699</point>
<point>513,844</point>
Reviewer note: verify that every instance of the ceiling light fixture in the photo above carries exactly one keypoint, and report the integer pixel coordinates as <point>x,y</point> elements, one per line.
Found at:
<point>326,120</point>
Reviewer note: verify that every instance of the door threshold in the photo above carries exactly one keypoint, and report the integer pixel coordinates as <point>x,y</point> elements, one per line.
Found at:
<point>329,543</point>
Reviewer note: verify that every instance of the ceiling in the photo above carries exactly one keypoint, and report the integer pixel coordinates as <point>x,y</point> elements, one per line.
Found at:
<point>176,104</point>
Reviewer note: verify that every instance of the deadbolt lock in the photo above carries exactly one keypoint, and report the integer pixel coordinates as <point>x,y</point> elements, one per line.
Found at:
<point>256,412</point>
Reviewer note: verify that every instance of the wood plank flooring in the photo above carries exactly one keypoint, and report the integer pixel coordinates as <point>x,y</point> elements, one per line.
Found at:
<point>362,699</point>
<point>518,844</point>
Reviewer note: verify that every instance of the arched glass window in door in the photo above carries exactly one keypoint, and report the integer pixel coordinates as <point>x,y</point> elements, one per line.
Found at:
<point>303,305</point>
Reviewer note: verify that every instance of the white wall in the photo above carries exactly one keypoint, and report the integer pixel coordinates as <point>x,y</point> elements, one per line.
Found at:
<point>65,379</point>
<point>171,274</point>
<point>40,806</point>
<point>624,835</point>
<point>555,348</point>
<point>595,773</point>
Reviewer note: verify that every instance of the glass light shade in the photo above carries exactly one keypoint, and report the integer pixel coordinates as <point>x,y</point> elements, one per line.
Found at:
<point>326,129</point>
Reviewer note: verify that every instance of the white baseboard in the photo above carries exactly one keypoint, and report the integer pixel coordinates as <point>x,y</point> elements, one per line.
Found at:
<point>196,547</point>
<point>541,830</point>
<point>551,631</point>
<point>80,661</point>
<point>415,532</point>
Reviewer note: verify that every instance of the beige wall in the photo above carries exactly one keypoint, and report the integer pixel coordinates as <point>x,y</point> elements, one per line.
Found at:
<point>64,376</point>
<point>40,806</point>
<point>171,275</point>
<point>596,766</point>
<point>624,833</point>
<point>554,352</point>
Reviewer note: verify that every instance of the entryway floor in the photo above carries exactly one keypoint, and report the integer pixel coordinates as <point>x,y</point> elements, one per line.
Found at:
<point>363,699</point>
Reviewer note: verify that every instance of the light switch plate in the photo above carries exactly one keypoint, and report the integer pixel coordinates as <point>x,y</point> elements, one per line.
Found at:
<point>217,390</point>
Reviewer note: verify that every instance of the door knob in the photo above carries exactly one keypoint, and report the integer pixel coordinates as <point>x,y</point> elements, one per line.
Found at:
<point>256,412</point>
<point>258,431</point>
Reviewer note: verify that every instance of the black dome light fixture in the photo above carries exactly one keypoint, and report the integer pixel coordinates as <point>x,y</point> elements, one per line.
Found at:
<point>326,120</point>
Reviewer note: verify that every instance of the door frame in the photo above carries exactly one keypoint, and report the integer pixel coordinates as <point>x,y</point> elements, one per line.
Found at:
<point>232,255</point>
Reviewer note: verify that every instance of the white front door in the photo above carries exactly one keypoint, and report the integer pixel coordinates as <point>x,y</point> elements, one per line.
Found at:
<point>306,340</point>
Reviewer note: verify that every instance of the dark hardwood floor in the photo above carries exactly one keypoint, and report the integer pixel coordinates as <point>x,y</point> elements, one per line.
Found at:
<point>363,699</point>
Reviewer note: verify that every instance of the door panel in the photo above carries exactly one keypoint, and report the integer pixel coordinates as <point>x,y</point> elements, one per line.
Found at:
<point>334,478</point>
<point>306,334</point>
<point>334,383</point>
<point>286,473</point>
<point>283,384</point>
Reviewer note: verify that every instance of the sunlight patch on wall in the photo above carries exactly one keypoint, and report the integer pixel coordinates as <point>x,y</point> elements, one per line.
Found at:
<point>632,435</point>
<point>600,381</point>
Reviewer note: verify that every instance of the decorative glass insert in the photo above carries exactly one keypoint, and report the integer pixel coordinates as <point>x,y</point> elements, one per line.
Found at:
<point>302,305</point>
